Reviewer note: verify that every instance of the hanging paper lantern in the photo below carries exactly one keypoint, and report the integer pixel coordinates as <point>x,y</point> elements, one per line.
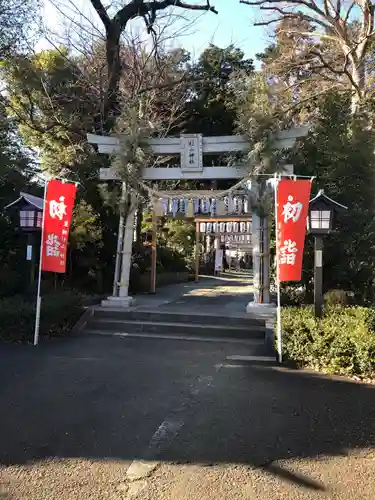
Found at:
<point>196,206</point>
<point>220,208</point>
<point>207,206</point>
<point>239,205</point>
<point>246,206</point>
<point>212,207</point>
<point>158,208</point>
<point>190,208</point>
<point>230,205</point>
<point>182,206</point>
<point>174,207</point>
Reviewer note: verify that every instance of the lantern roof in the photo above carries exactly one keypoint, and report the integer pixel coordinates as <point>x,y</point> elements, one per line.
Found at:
<point>323,198</point>
<point>35,201</point>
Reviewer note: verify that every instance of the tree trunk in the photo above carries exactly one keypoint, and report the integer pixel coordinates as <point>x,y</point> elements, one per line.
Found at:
<point>111,105</point>
<point>359,86</point>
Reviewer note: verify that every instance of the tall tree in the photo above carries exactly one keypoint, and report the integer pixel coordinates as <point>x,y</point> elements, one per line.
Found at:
<point>17,165</point>
<point>115,26</point>
<point>210,94</point>
<point>18,18</point>
<point>340,36</point>
<point>339,152</point>
<point>57,98</point>
<point>16,172</point>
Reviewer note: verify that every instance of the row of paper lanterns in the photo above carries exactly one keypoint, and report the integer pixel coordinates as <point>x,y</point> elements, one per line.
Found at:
<point>208,206</point>
<point>225,227</point>
<point>236,239</point>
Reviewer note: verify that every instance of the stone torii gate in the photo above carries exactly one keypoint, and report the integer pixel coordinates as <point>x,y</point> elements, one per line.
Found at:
<point>191,148</point>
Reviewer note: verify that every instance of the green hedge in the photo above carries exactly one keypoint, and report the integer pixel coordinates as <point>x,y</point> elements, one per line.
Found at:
<point>342,342</point>
<point>59,313</point>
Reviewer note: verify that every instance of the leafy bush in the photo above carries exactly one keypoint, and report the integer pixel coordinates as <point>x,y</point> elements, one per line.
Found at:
<point>342,342</point>
<point>11,282</point>
<point>336,298</point>
<point>59,312</point>
<point>292,296</point>
<point>168,260</point>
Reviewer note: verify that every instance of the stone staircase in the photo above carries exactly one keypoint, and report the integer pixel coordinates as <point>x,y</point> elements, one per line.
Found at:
<point>180,325</point>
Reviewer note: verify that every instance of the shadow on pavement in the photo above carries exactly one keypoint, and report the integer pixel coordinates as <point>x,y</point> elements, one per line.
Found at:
<point>230,292</point>
<point>258,416</point>
<point>293,477</point>
<point>105,398</point>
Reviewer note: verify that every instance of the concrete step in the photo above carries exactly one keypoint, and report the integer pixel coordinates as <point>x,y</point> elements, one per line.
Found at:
<point>257,345</point>
<point>179,317</point>
<point>171,328</point>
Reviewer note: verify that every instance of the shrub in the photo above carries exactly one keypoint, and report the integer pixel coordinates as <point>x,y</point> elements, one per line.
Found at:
<point>342,342</point>
<point>168,260</point>
<point>59,312</point>
<point>336,297</point>
<point>11,282</point>
<point>292,296</point>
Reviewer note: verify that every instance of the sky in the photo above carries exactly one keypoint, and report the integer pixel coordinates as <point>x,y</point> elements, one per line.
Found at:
<point>232,24</point>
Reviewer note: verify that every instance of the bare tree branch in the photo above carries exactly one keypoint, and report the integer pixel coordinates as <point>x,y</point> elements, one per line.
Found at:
<point>334,29</point>
<point>114,28</point>
<point>102,13</point>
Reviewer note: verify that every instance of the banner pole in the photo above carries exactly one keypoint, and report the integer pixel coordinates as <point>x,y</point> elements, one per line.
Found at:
<point>278,319</point>
<point>38,297</point>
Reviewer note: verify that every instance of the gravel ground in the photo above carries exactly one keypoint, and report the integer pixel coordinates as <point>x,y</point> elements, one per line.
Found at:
<point>334,478</point>
<point>340,478</point>
<point>64,480</point>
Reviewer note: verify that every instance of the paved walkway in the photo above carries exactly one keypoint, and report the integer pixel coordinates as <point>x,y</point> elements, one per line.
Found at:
<point>228,294</point>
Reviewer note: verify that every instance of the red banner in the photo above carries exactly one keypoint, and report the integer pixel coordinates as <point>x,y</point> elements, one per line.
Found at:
<point>57,219</point>
<point>292,210</point>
